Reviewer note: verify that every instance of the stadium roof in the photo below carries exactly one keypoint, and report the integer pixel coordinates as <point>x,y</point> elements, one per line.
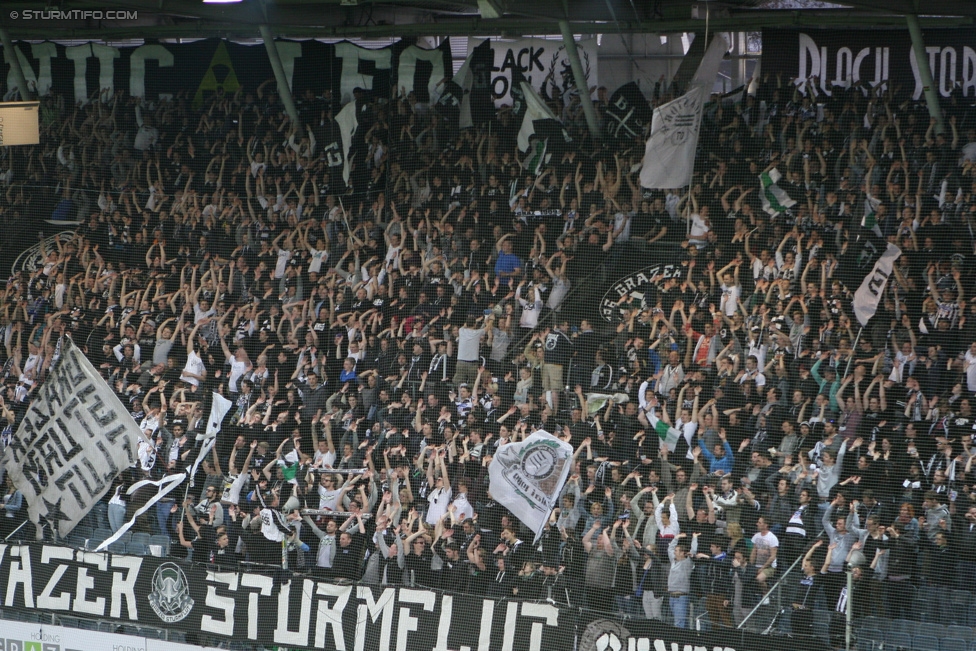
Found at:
<point>165,19</point>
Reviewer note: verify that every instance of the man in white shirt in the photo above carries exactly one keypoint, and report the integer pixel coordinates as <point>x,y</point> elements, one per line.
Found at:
<point>765,545</point>
<point>469,350</point>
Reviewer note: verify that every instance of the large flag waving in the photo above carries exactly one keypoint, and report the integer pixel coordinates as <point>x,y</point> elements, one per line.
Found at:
<point>866,266</point>
<point>628,112</point>
<point>669,156</point>
<point>480,105</point>
<point>169,483</point>
<point>527,477</point>
<point>74,440</point>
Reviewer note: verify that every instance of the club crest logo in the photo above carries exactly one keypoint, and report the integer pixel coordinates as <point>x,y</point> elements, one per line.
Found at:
<point>170,596</point>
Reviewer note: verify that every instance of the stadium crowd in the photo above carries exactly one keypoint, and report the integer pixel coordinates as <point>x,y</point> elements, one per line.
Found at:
<point>381,339</point>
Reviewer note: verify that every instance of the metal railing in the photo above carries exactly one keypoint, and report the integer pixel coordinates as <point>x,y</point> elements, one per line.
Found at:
<point>767,598</point>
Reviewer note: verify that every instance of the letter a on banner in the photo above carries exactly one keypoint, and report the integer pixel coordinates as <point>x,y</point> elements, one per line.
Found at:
<point>74,440</point>
<point>210,83</point>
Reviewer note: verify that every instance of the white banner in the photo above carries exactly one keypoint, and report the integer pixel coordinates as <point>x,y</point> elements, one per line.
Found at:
<point>538,59</point>
<point>868,294</point>
<point>75,439</point>
<point>669,156</point>
<point>527,477</point>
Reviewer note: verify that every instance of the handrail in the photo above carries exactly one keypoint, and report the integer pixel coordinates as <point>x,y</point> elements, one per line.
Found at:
<point>769,592</point>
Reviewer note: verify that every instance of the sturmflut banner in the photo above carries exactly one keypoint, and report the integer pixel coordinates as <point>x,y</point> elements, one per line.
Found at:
<point>75,438</point>
<point>303,613</point>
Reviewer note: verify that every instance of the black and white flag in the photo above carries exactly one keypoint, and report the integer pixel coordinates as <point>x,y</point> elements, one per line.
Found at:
<point>535,110</point>
<point>628,113</point>
<point>865,269</point>
<point>169,483</point>
<point>74,440</point>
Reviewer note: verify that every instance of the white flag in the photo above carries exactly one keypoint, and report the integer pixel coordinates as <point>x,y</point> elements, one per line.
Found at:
<point>527,477</point>
<point>868,294</point>
<point>166,485</point>
<point>348,122</point>
<point>535,109</point>
<point>218,409</point>
<point>669,156</point>
<point>74,440</point>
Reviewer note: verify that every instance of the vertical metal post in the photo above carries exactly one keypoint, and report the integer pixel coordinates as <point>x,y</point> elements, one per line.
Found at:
<point>580,77</point>
<point>925,72</point>
<point>10,54</point>
<point>284,92</point>
<point>849,608</point>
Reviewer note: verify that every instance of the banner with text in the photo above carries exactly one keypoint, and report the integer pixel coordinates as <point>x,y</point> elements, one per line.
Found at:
<point>842,58</point>
<point>543,63</point>
<point>74,440</point>
<point>208,66</point>
<point>296,612</point>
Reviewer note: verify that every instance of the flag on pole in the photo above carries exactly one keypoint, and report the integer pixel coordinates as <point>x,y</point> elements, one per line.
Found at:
<point>669,156</point>
<point>348,122</point>
<point>628,112</point>
<point>74,440</point>
<point>867,265</point>
<point>218,409</point>
<point>775,200</point>
<point>166,485</point>
<point>480,107</point>
<point>537,156</point>
<point>535,109</point>
<point>527,477</point>
<point>668,435</point>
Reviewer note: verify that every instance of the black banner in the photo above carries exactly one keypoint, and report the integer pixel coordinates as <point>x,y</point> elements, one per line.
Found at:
<point>600,634</point>
<point>301,612</point>
<point>204,67</point>
<point>841,58</point>
<point>296,612</point>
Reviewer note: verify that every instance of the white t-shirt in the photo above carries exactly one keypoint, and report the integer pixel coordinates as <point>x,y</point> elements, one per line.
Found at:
<point>764,546</point>
<point>193,365</point>
<point>237,370</point>
<point>970,371</point>
<point>283,257</point>
<point>730,300</point>
<point>438,500</point>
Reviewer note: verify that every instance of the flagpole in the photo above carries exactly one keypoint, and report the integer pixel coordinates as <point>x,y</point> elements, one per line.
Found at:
<point>853,350</point>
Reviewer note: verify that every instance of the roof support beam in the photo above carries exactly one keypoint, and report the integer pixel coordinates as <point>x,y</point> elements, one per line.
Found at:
<point>580,77</point>
<point>284,92</point>
<point>317,25</point>
<point>925,72</point>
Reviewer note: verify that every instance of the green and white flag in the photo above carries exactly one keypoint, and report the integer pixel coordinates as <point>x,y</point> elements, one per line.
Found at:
<point>668,435</point>
<point>537,156</point>
<point>775,201</point>
<point>527,477</point>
